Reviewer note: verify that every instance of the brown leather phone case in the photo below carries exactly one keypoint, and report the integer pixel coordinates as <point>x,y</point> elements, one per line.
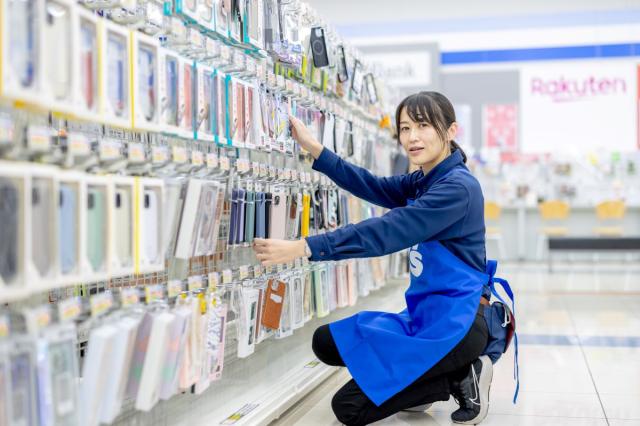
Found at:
<point>273,304</point>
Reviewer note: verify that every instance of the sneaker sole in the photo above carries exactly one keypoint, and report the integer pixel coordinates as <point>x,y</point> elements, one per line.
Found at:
<point>485,387</point>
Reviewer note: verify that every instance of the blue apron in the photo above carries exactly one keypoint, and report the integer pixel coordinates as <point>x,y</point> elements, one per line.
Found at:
<point>386,352</point>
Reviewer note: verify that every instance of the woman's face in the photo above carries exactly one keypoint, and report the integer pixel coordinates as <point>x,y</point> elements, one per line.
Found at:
<point>420,141</point>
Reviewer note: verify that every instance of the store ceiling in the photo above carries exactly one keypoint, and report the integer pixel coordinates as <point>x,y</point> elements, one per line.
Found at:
<point>350,12</point>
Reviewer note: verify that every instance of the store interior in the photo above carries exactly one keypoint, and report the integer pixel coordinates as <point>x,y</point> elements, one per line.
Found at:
<point>145,145</point>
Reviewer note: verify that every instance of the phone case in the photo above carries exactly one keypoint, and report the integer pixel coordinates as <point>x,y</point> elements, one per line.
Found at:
<point>23,396</point>
<point>297,296</point>
<point>149,390</point>
<point>124,226</point>
<point>250,222</point>
<point>278,216</point>
<point>247,323</point>
<point>318,48</point>
<point>21,69</point>
<point>147,82</point>
<point>216,340</point>
<point>151,226</point>
<point>306,206</point>
<point>177,340</point>
<point>187,115</point>
<point>274,301</point>
<point>170,100</point>
<point>94,379</point>
<point>286,318</point>
<point>308,296</point>
<point>88,61</point>
<point>9,217</point>
<point>58,48</point>
<point>260,215</point>
<point>139,354</point>
<point>233,217</point>
<point>241,216</point>
<point>41,234</point>
<point>267,213</point>
<point>205,244</point>
<point>117,62</point>
<point>67,214</point>
<point>96,228</point>
<point>123,349</point>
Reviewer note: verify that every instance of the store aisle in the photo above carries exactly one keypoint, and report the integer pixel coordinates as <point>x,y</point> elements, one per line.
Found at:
<point>579,332</point>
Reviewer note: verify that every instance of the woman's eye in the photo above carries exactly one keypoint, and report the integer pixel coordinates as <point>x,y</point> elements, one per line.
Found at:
<point>404,129</point>
<point>423,125</point>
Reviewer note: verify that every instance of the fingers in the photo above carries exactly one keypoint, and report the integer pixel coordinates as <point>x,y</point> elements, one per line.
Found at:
<point>260,242</point>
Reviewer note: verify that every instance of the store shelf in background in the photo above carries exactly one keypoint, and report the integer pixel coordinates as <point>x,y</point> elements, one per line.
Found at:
<point>274,377</point>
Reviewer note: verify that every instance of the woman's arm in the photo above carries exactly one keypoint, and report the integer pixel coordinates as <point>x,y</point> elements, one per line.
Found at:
<point>386,192</point>
<point>437,215</point>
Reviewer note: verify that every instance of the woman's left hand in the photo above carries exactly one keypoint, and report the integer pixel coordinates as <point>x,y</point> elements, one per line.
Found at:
<point>273,252</point>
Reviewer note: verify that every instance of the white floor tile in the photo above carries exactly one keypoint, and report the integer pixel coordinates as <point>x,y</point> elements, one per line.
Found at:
<point>494,419</point>
<point>615,370</point>
<point>623,422</point>
<point>621,406</point>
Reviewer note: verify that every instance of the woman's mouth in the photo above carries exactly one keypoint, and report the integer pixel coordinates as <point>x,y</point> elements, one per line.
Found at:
<point>414,150</point>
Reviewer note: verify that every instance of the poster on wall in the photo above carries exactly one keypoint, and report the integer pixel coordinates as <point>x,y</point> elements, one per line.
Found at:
<point>579,106</point>
<point>500,127</point>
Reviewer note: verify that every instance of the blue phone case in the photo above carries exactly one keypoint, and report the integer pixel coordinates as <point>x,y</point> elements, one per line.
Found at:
<point>249,222</point>
<point>233,220</point>
<point>260,215</point>
<point>68,229</point>
<point>240,220</point>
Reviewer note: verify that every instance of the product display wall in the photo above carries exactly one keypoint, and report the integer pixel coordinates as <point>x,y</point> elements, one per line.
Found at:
<point>143,146</point>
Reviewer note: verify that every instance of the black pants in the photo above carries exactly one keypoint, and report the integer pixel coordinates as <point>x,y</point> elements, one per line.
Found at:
<point>352,407</point>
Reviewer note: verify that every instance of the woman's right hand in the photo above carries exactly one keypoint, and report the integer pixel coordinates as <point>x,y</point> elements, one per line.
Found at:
<point>305,139</point>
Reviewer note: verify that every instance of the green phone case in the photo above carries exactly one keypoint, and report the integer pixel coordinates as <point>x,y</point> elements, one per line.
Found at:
<point>96,228</point>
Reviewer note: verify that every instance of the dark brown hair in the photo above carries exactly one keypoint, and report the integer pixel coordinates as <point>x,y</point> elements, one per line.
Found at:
<point>434,109</point>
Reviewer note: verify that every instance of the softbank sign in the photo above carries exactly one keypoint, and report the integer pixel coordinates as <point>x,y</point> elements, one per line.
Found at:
<point>565,89</point>
<point>579,106</point>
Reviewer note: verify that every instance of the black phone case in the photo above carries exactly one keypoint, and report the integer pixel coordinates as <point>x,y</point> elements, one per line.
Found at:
<point>9,230</point>
<point>241,212</point>
<point>260,215</point>
<point>318,48</point>
<point>233,217</point>
<point>250,221</point>
<point>267,213</point>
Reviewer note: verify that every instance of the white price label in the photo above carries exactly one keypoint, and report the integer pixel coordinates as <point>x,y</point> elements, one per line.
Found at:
<point>129,296</point>
<point>197,158</point>
<point>255,168</point>
<point>100,303</point>
<point>212,160</point>
<point>263,170</point>
<point>78,144</point>
<point>244,272</point>
<point>39,138</point>
<point>280,81</point>
<point>195,283</point>
<point>214,280</point>
<point>110,149</point>
<point>174,288</point>
<point>227,276</point>
<point>153,293</point>
<point>273,172</point>
<point>136,153</point>
<point>159,154</point>
<point>225,163</point>
<point>70,309</point>
<point>257,271</point>
<point>179,154</point>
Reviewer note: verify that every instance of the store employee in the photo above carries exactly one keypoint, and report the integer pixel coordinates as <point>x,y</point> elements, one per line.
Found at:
<point>433,348</point>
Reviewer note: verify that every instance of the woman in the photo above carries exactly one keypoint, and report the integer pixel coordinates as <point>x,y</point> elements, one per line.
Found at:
<point>433,348</point>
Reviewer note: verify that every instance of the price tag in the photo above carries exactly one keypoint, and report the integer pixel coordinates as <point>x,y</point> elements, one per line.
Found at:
<point>212,160</point>
<point>227,276</point>
<point>153,293</point>
<point>129,296</point>
<point>196,37</point>
<point>39,138</point>
<point>268,269</point>
<point>110,149</point>
<point>225,164</point>
<point>280,81</point>
<point>257,271</point>
<point>273,172</point>
<point>195,283</point>
<point>69,309</point>
<point>4,326</point>
<point>225,53</point>
<point>305,261</point>
<point>244,272</point>
<point>7,130</point>
<point>179,154</point>
<point>174,288</point>
<point>136,153</point>
<point>214,280</point>
<point>159,154</point>
<point>308,177</point>
<point>38,318</point>
<point>298,263</point>
<point>197,158</point>
<point>100,303</point>
<point>263,170</point>
<point>294,175</point>
<point>78,144</point>
<point>279,267</point>
<point>290,265</point>
<point>288,85</point>
<point>255,168</point>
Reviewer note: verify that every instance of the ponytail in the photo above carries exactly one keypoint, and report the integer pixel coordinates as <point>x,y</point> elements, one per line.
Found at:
<point>455,147</point>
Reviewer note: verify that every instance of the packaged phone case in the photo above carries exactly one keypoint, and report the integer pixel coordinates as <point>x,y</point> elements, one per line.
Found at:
<point>21,26</point>
<point>260,215</point>
<point>209,219</point>
<point>205,100</point>
<point>116,108</point>
<point>306,206</point>
<point>146,108</point>
<point>98,192</point>
<point>139,355</point>
<point>175,350</point>
<point>13,187</point>
<point>273,304</point>
<point>250,140</point>
<point>308,295</point>
<point>187,79</point>
<point>278,217</point>
<point>23,399</point>
<point>122,221</point>
<point>286,319</point>
<point>222,12</point>
<point>120,368</point>
<point>253,23</point>
<point>248,321</point>
<point>57,375</point>
<point>71,225</point>
<point>170,92</point>
<point>222,125</point>
<point>97,359</point>
<point>321,291</point>
<point>297,301</point>
<point>175,192</point>
<point>44,237</point>
<point>86,62</point>
<point>250,213</point>
<point>59,43</point>
<point>216,335</point>
<point>149,254</point>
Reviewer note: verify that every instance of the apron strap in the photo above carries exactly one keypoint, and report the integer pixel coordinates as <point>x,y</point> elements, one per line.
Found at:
<point>492,267</point>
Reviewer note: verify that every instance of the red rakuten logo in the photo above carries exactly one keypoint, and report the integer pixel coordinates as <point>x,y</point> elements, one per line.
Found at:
<point>567,90</point>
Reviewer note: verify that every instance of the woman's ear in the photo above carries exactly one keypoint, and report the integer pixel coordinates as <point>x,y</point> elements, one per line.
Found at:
<point>452,131</point>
